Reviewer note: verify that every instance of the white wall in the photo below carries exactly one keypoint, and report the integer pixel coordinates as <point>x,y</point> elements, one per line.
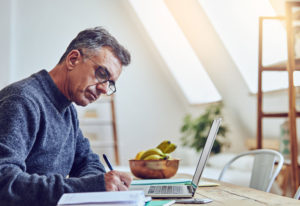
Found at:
<point>45,28</point>
<point>5,40</point>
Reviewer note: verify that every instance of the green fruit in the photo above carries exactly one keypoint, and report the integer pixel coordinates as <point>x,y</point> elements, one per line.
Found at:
<point>153,151</point>
<point>154,157</point>
<point>163,145</point>
<point>170,148</point>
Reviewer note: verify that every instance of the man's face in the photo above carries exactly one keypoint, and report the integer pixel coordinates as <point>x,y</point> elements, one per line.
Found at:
<point>83,86</point>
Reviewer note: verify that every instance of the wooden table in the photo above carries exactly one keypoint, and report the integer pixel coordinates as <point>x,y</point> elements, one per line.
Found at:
<point>231,195</point>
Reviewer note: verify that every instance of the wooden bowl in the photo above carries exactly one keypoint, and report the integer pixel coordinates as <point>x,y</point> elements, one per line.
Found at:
<point>154,169</point>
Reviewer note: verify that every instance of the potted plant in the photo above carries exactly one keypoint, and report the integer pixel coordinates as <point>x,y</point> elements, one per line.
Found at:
<point>195,130</point>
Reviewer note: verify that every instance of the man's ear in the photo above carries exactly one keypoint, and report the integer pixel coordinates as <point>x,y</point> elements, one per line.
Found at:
<point>73,59</point>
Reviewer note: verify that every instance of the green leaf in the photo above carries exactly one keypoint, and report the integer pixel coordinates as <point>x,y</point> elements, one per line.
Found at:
<point>195,130</point>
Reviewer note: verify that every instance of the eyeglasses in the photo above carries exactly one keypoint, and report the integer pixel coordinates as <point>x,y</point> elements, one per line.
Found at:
<point>103,75</point>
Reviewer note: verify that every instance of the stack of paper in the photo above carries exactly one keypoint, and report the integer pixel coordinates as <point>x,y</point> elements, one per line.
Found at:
<point>122,198</point>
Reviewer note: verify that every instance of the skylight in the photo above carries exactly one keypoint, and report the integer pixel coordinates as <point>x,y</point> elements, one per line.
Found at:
<point>236,22</point>
<point>175,50</point>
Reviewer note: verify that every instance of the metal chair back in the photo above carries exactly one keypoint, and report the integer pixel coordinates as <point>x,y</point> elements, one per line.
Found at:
<point>263,171</point>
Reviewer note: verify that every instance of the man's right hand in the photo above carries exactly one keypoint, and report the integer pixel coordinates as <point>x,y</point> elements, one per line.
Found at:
<point>117,181</point>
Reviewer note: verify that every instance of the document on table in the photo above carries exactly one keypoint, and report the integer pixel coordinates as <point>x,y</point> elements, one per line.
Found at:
<point>128,198</point>
<point>172,181</point>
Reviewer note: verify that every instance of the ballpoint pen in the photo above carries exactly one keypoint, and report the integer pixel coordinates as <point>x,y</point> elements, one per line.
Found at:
<point>110,167</point>
<point>107,162</point>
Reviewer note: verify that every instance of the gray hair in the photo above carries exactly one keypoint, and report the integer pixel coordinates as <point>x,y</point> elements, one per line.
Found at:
<point>95,38</point>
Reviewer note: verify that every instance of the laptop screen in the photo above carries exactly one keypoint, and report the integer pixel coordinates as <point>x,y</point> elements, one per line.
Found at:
<point>206,151</point>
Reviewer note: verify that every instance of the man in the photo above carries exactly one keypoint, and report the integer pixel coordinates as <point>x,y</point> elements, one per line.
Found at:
<point>43,153</point>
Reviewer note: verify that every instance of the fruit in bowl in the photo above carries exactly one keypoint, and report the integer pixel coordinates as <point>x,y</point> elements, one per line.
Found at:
<point>155,163</point>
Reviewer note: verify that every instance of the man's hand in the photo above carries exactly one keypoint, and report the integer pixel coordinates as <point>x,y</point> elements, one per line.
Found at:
<point>117,181</point>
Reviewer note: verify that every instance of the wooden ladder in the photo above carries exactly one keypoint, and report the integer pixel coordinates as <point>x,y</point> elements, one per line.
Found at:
<point>292,114</point>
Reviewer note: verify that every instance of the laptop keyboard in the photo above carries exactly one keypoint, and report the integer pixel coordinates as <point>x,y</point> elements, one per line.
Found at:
<point>169,189</point>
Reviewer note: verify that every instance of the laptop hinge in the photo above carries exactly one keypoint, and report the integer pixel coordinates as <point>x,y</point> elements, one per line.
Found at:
<point>191,189</point>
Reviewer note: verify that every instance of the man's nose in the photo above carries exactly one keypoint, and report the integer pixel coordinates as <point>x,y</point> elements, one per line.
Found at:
<point>103,87</point>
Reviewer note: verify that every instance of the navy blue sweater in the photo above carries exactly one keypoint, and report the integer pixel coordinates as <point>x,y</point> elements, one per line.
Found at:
<point>41,144</point>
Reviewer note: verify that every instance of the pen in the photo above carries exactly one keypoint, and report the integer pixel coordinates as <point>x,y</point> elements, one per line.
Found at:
<point>107,162</point>
<point>110,167</point>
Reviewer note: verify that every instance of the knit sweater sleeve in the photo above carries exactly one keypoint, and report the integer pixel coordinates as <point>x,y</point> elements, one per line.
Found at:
<point>86,162</point>
<point>19,120</point>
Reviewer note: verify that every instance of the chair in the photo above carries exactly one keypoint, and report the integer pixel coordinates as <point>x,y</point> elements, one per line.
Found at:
<point>263,172</point>
<point>297,195</point>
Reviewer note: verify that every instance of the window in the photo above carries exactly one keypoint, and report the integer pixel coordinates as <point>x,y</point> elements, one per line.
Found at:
<point>236,22</point>
<point>175,50</point>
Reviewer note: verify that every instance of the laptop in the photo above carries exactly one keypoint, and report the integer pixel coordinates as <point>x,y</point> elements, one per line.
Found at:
<point>183,191</point>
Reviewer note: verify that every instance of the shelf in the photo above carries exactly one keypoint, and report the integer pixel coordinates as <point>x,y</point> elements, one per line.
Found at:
<point>281,66</point>
<point>104,99</point>
<point>279,114</point>
<point>101,144</point>
<point>291,65</point>
<point>100,114</point>
<point>85,122</point>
